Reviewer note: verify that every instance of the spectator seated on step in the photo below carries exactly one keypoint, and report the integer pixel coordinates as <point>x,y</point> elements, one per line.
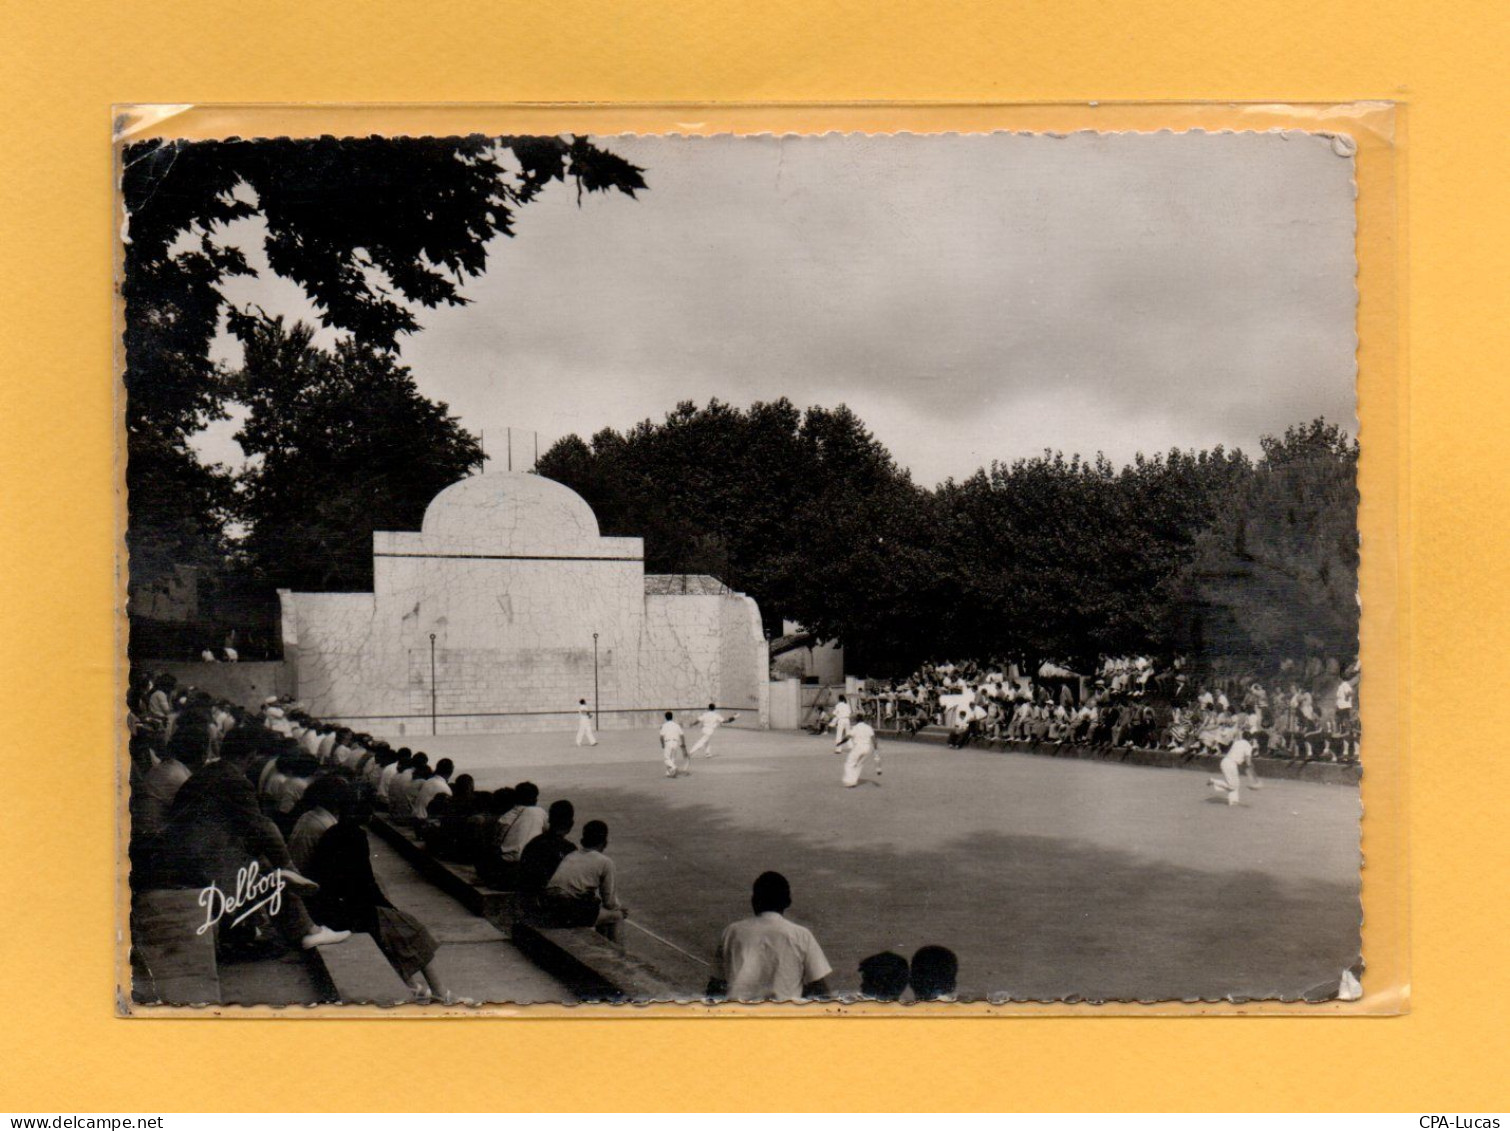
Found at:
<point>327,797</point>
<point>350,897</point>
<point>515,829</point>
<point>883,977</point>
<point>767,957</point>
<point>582,892</point>
<point>396,791</point>
<point>446,820</point>
<point>153,800</point>
<point>216,832</point>
<point>284,778</point>
<point>481,834</point>
<point>437,784</point>
<point>371,775</point>
<point>401,802</point>
<point>935,970</point>
<point>538,861</point>
<point>401,762</point>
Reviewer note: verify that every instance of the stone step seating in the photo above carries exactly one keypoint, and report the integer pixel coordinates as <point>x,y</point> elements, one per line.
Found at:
<point>459,881</point>
<point>594,968</point>
<point>357,973</point>
<point>1331,773</point>
<point>172,964</point>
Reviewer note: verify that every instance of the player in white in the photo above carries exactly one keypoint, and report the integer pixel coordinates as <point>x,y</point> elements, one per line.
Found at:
<point>841,722</point>
<point>710,720</point>
<point>674,747</point>
<point>584,724</point>
<point>1238,755</point>
<point>861,743</point>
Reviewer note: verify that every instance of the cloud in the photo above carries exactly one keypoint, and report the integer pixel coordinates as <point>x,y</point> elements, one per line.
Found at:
<point>973,298</point>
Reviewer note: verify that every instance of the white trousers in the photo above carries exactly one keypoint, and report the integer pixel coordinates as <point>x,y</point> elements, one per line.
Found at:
<point>1230,781</point>
<point>854,764</point>
<point>584,731</point>
<point>841,730</point>
<point>676,756</point>
<point>704,743</point>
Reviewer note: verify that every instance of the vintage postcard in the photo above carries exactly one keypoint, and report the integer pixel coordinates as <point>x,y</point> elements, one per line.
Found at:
<point>857,567</point>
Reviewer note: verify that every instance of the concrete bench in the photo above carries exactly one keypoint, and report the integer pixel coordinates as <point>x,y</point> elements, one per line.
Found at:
<point>459,881</point>
<point>358,973</point>
<point>176,965</point>
<point>594,968</point>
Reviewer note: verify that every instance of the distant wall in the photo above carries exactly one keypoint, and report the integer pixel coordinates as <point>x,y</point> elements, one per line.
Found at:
<point>786,704</point>
<point>511,578</point>
<point>744,681</point>
<point>245,683</point>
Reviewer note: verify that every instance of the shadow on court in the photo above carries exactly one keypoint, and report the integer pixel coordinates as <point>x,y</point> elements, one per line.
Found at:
<point>1225,902</point>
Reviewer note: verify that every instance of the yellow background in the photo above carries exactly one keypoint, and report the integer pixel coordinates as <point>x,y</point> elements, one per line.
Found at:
<point>63,65</point>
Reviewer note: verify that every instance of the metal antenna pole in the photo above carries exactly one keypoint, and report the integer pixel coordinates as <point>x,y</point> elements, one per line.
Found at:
<point>432,683</point>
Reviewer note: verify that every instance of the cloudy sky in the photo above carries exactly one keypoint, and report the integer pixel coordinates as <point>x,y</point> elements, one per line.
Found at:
<point>971,298</point>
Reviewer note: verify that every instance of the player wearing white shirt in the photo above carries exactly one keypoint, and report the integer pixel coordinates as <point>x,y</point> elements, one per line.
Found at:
<point>710,720</point>
<point>862,744</point>
<point>1239,754</point>
<point>674,747</point>
<point>584,724</point>
<point>841,722</point>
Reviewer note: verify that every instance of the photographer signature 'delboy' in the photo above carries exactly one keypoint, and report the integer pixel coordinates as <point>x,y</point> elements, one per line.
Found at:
<point>253,891</point>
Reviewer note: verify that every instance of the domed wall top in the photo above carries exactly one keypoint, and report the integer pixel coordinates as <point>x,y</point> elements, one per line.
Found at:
<point>510,512</point>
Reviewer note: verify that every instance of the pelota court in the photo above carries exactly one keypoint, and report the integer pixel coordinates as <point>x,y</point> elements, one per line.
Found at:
<point>1050,878</point>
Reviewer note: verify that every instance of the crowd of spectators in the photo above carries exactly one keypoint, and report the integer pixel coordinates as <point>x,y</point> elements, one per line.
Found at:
<point>1302,710</point>
<point>216,788</point>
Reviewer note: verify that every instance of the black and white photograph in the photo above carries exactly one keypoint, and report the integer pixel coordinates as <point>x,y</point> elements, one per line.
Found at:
<point>825,569</point>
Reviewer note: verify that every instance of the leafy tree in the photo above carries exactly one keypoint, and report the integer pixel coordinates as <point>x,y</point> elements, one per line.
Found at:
<point>342,444</point>
<point>1065,559</point>
<point>807,512</point>
<point>367,227</point>
<point>1276,573</point>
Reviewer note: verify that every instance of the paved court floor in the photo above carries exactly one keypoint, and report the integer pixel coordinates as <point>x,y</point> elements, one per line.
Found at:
<point>1049,878</point>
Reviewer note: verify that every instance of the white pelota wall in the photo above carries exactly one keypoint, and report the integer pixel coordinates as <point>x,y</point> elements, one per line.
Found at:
<point>510,575</point>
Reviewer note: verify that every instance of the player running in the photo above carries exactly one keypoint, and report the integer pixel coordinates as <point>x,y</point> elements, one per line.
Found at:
<point>674,747</point>
<point>841,722</point>
<point>861,743</point>
<point>710,720</point>
<point>1238,755</point>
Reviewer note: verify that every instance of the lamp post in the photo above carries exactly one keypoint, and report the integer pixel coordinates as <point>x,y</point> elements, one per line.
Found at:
<point>432,683</point>
<point>596,723</point>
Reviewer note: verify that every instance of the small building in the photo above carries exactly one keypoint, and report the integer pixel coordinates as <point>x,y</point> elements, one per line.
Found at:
<point>505,609</point>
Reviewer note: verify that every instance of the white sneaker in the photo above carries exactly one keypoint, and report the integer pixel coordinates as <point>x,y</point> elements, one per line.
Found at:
<point>1231,799</point>
<point>323,936</point>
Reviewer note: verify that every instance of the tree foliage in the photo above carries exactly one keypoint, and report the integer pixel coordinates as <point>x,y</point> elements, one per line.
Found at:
<point>369,229</point>
<point>1276,572</point>
<point>1071,558</point>
<point>805,510</point>
<point>342,444</point>
<point>1046,558</point>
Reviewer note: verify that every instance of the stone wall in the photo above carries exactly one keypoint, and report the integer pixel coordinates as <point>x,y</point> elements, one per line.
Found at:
<point>511,578</point>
